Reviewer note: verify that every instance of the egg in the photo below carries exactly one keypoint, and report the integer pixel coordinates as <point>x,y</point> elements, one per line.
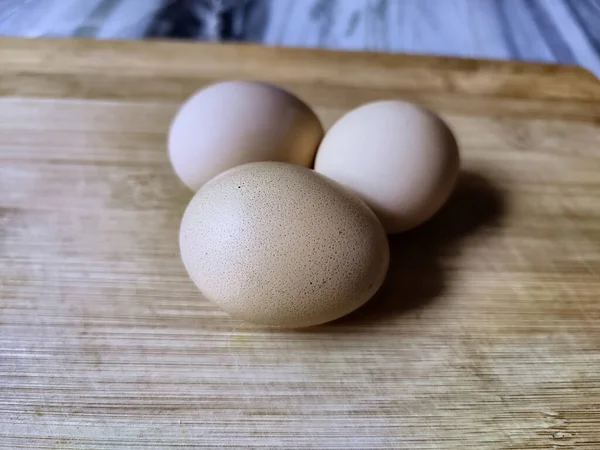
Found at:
<point>237,122</point>
<point>278,244</point>
<point>401,159</point>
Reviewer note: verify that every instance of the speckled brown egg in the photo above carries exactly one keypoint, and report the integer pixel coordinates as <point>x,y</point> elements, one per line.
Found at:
<point>401,159</point>
<point>237,122</point>
<point>278,244</point>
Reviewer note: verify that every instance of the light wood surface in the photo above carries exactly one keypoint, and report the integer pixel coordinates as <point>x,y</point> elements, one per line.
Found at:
<point>487,335</point>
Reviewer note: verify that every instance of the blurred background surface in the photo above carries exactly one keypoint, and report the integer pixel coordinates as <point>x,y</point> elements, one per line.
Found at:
<point>559,31</point>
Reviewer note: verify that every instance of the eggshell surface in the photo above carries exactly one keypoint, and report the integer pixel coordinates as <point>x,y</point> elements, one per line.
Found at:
<point>278,244</point>
<point>402,160</point>
<point>237,122</point>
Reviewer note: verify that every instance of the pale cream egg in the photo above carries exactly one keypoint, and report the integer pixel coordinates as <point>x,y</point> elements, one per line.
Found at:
<point>236,122</point>
<point>401,159</point>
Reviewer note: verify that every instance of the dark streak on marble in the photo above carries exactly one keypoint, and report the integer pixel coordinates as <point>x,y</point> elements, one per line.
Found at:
<point>353,23</point>
<point>245,23</point>
<point>176,20</point>
<point>323,12</point>
<point>504,17</point>
<point>587,14</point>
<point>552,36</point>
<point>99,13</point>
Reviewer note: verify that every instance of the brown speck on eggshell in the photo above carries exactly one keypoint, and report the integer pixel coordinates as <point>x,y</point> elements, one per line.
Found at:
<point>278,244</point>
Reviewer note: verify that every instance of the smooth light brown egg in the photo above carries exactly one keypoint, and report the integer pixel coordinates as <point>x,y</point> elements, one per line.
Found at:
<point>237,122</point>
<point>402,160</point>
<point>278,244</point>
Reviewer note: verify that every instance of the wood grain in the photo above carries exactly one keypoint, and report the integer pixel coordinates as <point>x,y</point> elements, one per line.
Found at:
<point>487,334</point>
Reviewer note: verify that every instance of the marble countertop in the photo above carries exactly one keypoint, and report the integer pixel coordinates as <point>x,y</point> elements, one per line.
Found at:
<point>559,31</point>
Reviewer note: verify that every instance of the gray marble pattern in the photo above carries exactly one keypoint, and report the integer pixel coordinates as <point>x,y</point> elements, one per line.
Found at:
<point>560,31</point>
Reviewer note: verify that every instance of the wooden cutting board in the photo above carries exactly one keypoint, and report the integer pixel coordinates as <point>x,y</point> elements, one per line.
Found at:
<point>486,336</point>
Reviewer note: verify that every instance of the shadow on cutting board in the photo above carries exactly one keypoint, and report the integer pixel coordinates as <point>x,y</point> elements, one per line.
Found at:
<point>416,276</point>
